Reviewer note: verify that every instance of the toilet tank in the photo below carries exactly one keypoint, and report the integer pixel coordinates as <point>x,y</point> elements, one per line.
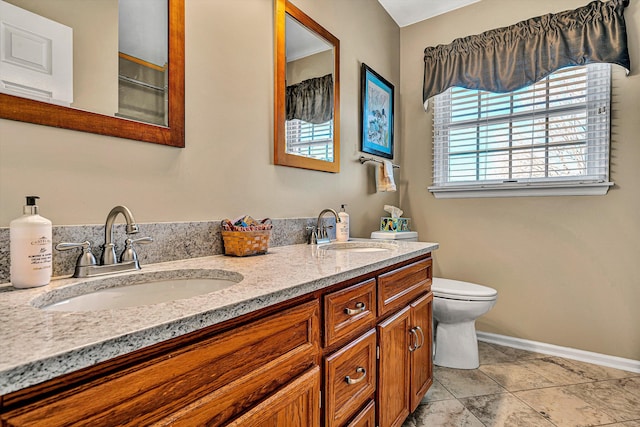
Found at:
<point>408,236</point>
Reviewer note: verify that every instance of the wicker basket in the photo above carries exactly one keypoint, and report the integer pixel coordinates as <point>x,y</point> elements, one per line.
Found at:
<point>246,242</point>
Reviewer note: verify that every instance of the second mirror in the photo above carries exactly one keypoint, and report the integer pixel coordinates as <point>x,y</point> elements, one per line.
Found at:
<point>307,92</point>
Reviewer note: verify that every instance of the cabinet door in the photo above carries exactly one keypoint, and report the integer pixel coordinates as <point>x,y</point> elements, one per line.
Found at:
<point>295,405</point>
<point>421,363</point>
<point>205,383</point>
<point>394,371</point>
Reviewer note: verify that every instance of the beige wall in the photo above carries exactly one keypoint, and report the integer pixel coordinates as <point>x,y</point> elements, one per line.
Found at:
<point>317,65</point>
<point>227,166</point>
<point>566,268</point>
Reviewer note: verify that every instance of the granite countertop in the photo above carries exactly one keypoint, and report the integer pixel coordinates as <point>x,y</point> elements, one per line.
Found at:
<point>38,345</point>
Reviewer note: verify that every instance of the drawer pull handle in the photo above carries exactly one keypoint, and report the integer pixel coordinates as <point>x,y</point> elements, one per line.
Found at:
<point>419,329</point>
<point>359,370</point>
<point>419,341</point>
<point>360,307</point>
<point>415,345</point>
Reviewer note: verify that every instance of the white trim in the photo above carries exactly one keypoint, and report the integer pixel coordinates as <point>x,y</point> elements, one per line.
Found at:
<point>629,365</point>
<point>521,190</point>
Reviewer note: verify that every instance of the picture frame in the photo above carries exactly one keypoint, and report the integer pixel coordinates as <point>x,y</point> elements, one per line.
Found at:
<point>376,113</point>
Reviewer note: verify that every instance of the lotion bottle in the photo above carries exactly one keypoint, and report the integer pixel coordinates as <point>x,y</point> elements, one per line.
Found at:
<point>342,227</point>
<point>30,248</point>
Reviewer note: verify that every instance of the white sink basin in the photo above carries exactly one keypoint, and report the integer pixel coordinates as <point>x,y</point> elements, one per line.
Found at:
<point>136,290</point>
<point>359,246</point>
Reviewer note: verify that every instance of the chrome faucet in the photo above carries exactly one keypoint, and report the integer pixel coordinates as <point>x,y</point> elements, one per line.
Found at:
<point>109,249</point>
<point>86,265</point>
<point>318,234</point>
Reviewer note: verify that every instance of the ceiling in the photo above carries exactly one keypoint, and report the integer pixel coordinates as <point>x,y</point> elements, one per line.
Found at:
<point>407,12</point>
<point>302,42</point>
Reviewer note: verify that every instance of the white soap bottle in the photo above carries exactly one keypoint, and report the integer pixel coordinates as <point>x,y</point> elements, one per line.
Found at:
<point>342,227</point>
<point>30,248</point>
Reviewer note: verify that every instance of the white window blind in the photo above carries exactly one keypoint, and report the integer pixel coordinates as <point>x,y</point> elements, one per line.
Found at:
<point>310,140</point>
<point>553,134</point>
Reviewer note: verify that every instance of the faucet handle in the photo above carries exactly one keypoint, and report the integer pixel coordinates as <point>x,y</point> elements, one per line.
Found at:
<point>86,257</point>
<point>129,254</point>
<point>142,240</point>
<point>323,232</point>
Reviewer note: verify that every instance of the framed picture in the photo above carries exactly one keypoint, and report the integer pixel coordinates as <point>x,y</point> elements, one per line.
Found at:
<point>376,114</point>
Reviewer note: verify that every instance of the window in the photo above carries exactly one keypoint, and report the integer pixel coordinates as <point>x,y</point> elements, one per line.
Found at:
<point>310,140</point>
<point>550,138</point>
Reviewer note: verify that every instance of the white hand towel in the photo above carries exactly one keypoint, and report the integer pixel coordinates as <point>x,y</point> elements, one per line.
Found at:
<point>384,177</point>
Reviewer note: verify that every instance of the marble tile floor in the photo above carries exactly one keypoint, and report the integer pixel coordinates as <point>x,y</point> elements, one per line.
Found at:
<point>519,388</point>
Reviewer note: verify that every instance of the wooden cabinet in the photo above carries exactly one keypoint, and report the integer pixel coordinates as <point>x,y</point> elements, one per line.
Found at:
<point>399,299</point>
<point>208,382</point>
<point>406,370</point>
<point>264,369</point>
<point>405,365</point>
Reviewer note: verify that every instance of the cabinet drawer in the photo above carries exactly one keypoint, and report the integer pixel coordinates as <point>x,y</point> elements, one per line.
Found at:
<point>365,418</point>
<point>348,310</point>
<point>350,379</point>
<point>211,381</point>
<point>399,287</point>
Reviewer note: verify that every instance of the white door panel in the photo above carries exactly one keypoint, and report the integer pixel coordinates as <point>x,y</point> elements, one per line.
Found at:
<point>36,56</point>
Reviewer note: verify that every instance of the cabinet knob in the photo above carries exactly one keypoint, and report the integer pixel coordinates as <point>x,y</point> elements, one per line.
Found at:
<point>359,370</point>
<point>360,307</point>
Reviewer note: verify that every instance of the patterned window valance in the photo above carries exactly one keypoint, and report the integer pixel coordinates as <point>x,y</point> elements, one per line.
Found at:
<point>311,100</point>
<point>510,58</point>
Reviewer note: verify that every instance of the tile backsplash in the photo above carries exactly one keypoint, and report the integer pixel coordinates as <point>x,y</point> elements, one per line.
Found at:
<point>171,241</point>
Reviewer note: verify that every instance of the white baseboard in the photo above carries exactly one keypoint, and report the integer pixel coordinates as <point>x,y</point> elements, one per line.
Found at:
<point>566,352</point>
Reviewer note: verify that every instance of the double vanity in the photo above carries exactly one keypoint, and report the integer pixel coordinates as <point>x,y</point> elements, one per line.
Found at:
<point>331,335</point>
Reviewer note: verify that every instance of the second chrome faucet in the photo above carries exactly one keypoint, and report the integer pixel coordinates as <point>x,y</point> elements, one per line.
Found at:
<point>319,234</point>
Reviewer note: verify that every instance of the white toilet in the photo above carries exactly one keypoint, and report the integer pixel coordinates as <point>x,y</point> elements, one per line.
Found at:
<point>456,306</point>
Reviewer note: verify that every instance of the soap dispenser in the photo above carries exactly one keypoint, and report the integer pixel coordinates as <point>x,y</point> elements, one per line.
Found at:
<point>342,227</point>
<point>30,248</point>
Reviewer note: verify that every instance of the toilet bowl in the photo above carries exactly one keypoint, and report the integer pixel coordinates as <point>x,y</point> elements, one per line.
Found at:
<point>456,306</point>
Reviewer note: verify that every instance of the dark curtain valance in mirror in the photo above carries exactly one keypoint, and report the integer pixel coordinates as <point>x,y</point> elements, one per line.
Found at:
<point>311,100</point>
<point>510,58</point>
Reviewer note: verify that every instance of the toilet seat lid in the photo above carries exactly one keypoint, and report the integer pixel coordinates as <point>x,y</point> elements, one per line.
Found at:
<point>456,289</point>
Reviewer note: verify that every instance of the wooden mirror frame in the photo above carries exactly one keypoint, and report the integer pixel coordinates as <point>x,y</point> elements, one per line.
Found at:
<point>280,155</point>
<point>42,113</point>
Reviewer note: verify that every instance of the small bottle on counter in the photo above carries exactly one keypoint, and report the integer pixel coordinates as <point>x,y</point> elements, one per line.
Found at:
<point>30,247</point>
<point>342,227</point>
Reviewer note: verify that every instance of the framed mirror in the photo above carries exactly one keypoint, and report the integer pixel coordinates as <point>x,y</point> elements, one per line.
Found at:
<point>125,117</point>
<point>307,92</point>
